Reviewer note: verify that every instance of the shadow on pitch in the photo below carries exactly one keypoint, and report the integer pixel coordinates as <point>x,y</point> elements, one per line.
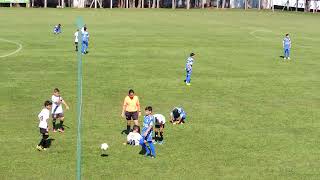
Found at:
<point>124,132</point>
<point>281,57</point>
<point>104,155</point>
<point>50,140</point>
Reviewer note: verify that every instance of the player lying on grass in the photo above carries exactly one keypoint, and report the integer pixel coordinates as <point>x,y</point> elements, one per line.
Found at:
<point>286,43</point>
<point>57,29</point>
<point>134,137</point>
<point>44,116</point>
<point>178,115</point>
<point>146,140</point>
<point>160,120</point>
<point>57,110</point>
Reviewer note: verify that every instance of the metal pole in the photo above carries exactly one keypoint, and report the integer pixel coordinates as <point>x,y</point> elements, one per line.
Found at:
<point>110,4</point>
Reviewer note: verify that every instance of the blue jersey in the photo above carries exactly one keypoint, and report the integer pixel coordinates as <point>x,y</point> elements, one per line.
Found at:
<point>85,36</point>
<point>189,64</point>
<point>147,122</point>
<point>57,29</point>
<point>180,113</point>
<point>286,43</point>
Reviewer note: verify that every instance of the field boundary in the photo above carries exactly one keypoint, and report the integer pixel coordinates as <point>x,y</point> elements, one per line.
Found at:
<point>14,52</point>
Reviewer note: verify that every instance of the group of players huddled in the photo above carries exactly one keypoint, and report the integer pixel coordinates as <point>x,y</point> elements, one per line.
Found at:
<point>152,127</point>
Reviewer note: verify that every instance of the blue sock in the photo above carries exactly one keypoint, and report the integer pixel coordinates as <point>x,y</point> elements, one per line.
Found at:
<point>146,148</point>
<point>152,149</point>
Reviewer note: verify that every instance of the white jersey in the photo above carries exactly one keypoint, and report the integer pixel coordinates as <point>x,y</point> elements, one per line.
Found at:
<point>133,138</point>
<point>76,34</point>
<point>160,119</point>
<point>44,116</point>
<point>56,104</point>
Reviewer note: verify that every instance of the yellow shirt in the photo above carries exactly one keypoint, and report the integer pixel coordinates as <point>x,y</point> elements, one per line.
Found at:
<point>132,105</point>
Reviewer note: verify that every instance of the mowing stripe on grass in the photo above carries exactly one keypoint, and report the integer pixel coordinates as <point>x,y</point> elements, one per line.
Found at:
<point>79,100</point>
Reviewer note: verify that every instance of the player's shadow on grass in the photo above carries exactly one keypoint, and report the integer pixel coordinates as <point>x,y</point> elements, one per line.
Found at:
<point>104,155</point>
<point>50,140</point>
<point>142,151</point>
<point>281,57</point>
<point>124,132</point>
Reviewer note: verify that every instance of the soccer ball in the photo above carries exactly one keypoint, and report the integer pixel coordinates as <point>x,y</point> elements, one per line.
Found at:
<point>104,146</point>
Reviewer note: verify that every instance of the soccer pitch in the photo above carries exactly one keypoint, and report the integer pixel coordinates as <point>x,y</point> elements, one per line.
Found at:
<point>250,115</point>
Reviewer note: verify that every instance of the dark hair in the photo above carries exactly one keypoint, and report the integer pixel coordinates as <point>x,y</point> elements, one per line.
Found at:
<point>135,127</point>
<point>56,90</point>
<point>131,91</point>
<point>149,108</point>
<point>47,103</point>
<point>175,113</point>
<point>59,24</point>
<point>287,34</point>
<point>192,54</point>
<point>85,28</point>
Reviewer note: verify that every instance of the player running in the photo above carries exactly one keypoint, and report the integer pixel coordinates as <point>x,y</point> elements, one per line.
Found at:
<point>44,116</point>
<point>57,110</point>
<point>188,68</point>
<point>286,47</point>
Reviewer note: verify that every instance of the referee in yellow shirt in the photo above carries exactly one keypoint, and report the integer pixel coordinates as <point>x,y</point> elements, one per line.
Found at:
<point>131,109</point>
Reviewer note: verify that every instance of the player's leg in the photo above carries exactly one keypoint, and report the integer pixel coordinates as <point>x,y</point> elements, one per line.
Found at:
<point>288,53</point>
<point>61,118</point>
<point>156,134</point>
<point>54,119</point>
<point>135,117</point>
<point>83,47</point>
<point>161,134</point>
<point>76,44</point>
<point>153,151</point>
<point>285,53</point>
<point>128,118</point>
<point>45,141</point>
<point>188,79</point>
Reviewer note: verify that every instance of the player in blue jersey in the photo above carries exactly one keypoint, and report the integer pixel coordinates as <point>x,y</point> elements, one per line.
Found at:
<point>178,115</point>
<point>85,41</point>
<point>189,69</point>
<point>146,140</point>
<point>57,29</point>
<point>286,47</point>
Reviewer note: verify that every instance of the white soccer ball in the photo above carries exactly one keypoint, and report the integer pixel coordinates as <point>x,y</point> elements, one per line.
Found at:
<point>104,146</point>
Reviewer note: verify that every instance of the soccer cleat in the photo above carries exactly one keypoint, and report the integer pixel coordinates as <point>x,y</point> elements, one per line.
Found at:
<point>44,149</point>
<point>188,84</point>
<point>54,130</point>
<point>61,130</point>
<point>288,58</point>
<point>39,148</point>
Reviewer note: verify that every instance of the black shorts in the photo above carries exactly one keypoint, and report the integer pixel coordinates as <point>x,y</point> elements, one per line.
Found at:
<point>43,131</point>
<point>76,43</point>
<point>132,115</point>
<point>59,115</point>
<point>157,126</point>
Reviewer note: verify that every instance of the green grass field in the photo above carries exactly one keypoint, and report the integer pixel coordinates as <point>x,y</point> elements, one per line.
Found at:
<point>250,115</point>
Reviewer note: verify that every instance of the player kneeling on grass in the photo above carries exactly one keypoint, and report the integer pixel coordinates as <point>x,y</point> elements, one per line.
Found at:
<point>147,129</point>
<point>160,120</point>
<point>134,137</point>
<point>57,110</point>
<point>57,29</point>
<point>44,116</point>
<point>178,115</point>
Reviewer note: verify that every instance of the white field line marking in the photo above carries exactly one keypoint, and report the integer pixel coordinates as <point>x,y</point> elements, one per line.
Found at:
<point>14,52</point>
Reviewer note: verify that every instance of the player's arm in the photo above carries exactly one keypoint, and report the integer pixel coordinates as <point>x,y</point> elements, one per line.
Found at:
<point>124,108</point>
<point>65,104</point>
<point>138,107</point>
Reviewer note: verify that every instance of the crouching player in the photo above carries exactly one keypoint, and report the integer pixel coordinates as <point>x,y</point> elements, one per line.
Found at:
<point>160,120</point>
<point>44,116</point>
<point>178,115</point>
<point>134,137</point>
<point>57,29</point>
<point>147,133</point>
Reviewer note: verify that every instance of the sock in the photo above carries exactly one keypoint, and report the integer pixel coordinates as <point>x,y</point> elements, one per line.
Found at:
<point>41,142</point>
<point>156,136</point>
<point>61,125</point>
<point>53,123</point>
<point>153,152</point>
<point>128,128</point>
<point>161,136</point>
<point>45,141</point>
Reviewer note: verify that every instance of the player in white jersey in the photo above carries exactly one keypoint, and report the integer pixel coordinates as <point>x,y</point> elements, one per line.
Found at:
<point>76,39</point>
<point>134,137</point>
<point>57,110</point>
<point>43,117</point>
<point>160,120</point>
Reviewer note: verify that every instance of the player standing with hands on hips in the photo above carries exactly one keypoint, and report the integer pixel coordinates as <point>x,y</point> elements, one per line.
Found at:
<point>286,47</point>
<point>189,69</point>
